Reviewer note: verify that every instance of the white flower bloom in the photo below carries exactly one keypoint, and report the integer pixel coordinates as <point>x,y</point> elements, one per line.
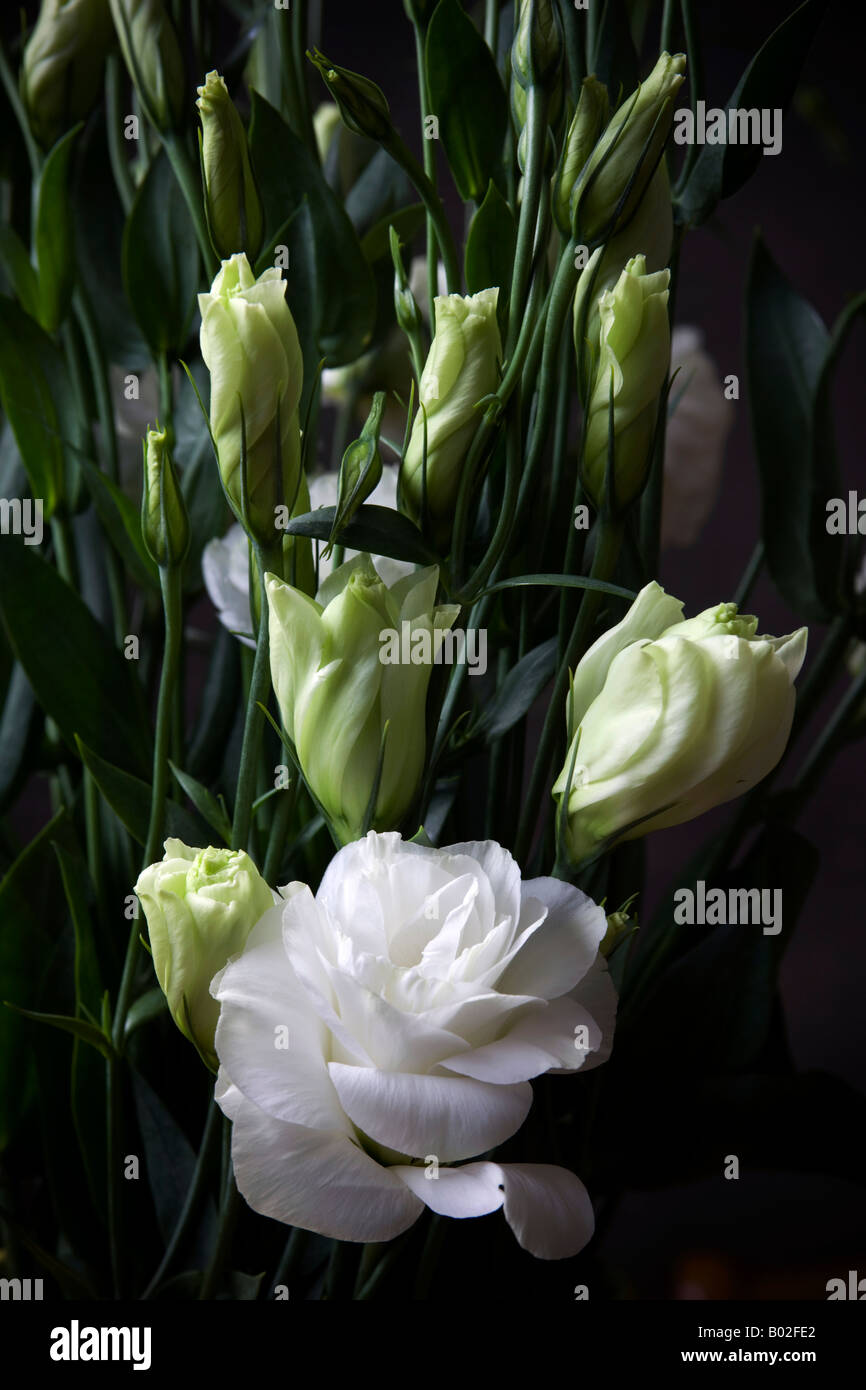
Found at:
<point>390,1026</point>
<point>699,422</point>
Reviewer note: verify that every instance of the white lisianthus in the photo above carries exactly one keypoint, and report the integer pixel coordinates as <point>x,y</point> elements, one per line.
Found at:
<point>670,717</point>
<point>699,422</point>
<point>375,1036</point>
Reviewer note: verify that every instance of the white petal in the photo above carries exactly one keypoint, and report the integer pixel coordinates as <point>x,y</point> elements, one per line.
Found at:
<point>560,951</point>
<point>502,872</point>
<point>473,1190</point>
<point>539,1041</point>
<point>316,1179</point>
<point>547,1208</point>
<point>597,993</point>
<point>393,1040</point>
<point>449,1116</point>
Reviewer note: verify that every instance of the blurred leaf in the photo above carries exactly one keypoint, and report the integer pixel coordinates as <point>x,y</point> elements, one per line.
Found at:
<point>519,691</point>
<point>146,1008</point>
<point>15,263</point>
<point>77,674</point>
<point>787,346</point>
<point>129,799</point>
<point>220,701</point>
<point>381,187</point>
<point>490,247</point>
<point>205,803</point>
<point>199,477</point>
<point>767,84</point>
<point>380,530</point>
<point>161,260</point>
<point>33,393</point>
<point>19,732</point>
<point>88,982</point>
<point>344,294</point>
<point>168,1157</point>
<point>467,96</point>
<point>78,1027</point>
<point>54,240</point>
<point>72,1284</point>
<point>121,522</point>
<point>407,222</point>
<point>614,61</point>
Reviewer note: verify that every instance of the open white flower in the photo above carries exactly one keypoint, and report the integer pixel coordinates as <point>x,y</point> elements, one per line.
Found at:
<point>375,1036</point>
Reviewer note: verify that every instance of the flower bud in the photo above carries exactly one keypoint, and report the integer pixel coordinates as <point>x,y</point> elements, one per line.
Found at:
<point>632,365</point>
<point>336,693</point>
<point>536,54</point>
<point>250,346</point>
<point>406,309</point>
<point>669,718</point>
<point>152,55</point>
<point>200,905</point>
<point>588,122</point>
<point>62,65</point>
<point>461,369</point>
<point>164,521</point>
<point>232,203</point>
<point>362,104</point>
<point>360,470</point>
<point>617,173</point>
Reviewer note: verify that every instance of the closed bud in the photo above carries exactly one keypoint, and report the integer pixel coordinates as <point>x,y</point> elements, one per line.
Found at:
<point>360,470</point>
<point>63,63</point>
<point>617,173</point>
<point>362,104</point>
<point>462,368</point>
<point>232,203</point>
<point>153,58</point>
<point>406,309</point>
<point>669,718</point>
<point>200,905</point>
<point>588,122</point>
<point>336,692</point>
<point>250,346</point>
<point>536,54</point>
<point>164,521</point>
<point>631,367</point>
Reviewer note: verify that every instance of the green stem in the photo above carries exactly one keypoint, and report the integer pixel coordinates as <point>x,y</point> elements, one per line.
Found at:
<point>8,79</point>
<point>434,205</point>
<point>113,1100</point>
<point>536,126</point>
<point>491,25</point>
<point>258,693</point>
<point>189,183</point>
<point>430,171</point>
<point>193,1198</point>
<point>818,758</point>
<point>603,565</point>
<point>651,503</point>
<point>750,576</point>
<point>229,1213</point>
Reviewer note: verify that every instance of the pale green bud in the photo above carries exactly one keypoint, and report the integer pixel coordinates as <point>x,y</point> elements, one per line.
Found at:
<point>362,104</point>
<point>536,54</point>
<point>152,55</point>
<point>164,521</point>
<point>620,167</point>
<point>462,368</point>
<point>232,203</point>
<point>200,905</point>
<point>63,63</point>
<point>632,362</point>
<point>336,693</point>
<point>250,346</point>
<point>669,718</point>
<point>360,469</point>
<point>587,123</point>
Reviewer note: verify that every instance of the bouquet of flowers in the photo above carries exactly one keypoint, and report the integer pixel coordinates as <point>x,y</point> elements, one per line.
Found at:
<point>322,932</point>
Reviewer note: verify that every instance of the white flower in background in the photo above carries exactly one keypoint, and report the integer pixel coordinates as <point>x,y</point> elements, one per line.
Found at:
<point>699,421</point>
<point>225,560</point>
<point>375,1036</point>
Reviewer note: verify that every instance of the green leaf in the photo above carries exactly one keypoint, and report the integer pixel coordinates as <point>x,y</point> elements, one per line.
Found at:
<point>169,1157</point>
<point>15,264</point>
<point>78,1027</point>
<point>121,522</point>
<point>490,249</point>
<point>54,241</point>
<point>71,1283</point>
<point>34,393</point>
<point>381,187</point>
<point>344,292</point>
<point>558,581</point>
<point>77,674</point>
<point>149,1006</point>
<point>407,222</point>
<point>160,260</point>
<point>768,83</point>
<point>19,729</point>
<point>520,689</point>
<point>467,96</point>
<point>129,799</point>
<point>88,983</point>
<point>787,346</point>
<point>205,803</point>
<point>380,530</point>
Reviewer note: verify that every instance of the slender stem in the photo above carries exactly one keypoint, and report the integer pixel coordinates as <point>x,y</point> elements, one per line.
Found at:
<point>64,550</point>
<point>292,1253</point>
<point>258,693</point>
<point>603,564</point>
<point>229,1213</point>
<point>536,127</point>
<point>491,25</point>
<point>341,1269</point>
<point>434,205</point>
<point>430,171</point>
<point>189,183</point>
<point>8,79</point>
<point>667,32</point>
<point>193,1198</point>
<point>279,831</point>
<point>651,503</point>
<point>113,1101</point>
<point>815,763</point>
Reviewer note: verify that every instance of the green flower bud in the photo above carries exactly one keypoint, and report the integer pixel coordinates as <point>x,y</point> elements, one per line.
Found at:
<point>200,905</point>
<point>619,925</point>
<point>232,203</point>
<point>461,369</point>
<point>360,470</point>
<point>669,718</point>
<point>620,167</point>
<point>587,123</point>
<point>250,346</point>
<point>164,522</point>
<point>405,304</point>
<point>632,361</point>
<point>63,63</point>
<point>336,693</point>
<point>536,54</point>
<point>362,104</point>
<point>153,58</point>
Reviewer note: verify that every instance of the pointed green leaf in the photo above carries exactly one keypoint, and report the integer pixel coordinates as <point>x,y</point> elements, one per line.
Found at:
<point>467,97</point>
<point>54,241</point>
<point>161,260</point>
<point>205,803</point>
<point>129,799</point>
